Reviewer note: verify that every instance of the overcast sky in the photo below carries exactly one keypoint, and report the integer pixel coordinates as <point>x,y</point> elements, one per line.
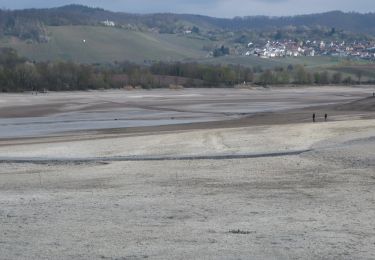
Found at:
<point>218,8</point>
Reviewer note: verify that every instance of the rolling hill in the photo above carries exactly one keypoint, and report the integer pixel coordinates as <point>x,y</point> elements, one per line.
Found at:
<point>96,44</point>
<point>83,15</point>
<point>76,33</point>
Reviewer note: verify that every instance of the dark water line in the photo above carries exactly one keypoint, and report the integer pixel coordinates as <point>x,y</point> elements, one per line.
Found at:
<point>55,161</point>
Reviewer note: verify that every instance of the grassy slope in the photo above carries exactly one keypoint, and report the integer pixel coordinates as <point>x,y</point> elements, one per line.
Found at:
<point>108,44</point>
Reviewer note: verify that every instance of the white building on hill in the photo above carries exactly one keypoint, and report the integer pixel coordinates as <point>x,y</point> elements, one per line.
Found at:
<point>109,23</point>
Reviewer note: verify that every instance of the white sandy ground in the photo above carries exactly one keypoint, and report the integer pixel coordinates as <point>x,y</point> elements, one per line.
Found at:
<point>316,205</point>
<point>254,140</point>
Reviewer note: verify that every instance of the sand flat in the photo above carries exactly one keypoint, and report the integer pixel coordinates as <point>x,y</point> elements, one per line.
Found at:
<point>315,204</point>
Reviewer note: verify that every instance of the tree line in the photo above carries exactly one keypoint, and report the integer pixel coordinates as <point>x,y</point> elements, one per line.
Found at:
<point>299,75</point>
<point>19,74</point>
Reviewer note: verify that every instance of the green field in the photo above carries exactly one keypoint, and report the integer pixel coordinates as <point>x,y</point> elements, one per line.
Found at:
<point>104,44</point>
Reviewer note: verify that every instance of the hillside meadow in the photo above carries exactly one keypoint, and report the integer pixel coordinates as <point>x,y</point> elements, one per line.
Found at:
<point>96,44</point>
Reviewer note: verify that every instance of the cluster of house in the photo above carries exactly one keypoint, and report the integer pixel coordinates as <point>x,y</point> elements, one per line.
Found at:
<point>289,48</point>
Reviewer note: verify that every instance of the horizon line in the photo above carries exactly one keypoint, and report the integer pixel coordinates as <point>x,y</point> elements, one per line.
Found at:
<point>182,13</point>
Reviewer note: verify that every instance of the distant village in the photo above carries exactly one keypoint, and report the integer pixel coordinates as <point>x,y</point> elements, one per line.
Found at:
<point>289,48</point>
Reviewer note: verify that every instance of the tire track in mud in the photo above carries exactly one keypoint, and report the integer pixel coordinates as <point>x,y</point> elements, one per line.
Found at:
<point>57,161</point>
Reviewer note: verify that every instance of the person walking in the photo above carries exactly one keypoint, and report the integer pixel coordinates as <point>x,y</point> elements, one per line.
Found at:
<point>326,117</point>
<point>314,118</point>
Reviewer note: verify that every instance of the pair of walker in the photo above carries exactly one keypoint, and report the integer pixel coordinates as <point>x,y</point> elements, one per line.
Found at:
<point>325,117</point>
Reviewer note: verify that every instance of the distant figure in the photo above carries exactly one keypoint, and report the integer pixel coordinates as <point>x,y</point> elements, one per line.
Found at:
<point>325,117</point>
<point>314,117</point>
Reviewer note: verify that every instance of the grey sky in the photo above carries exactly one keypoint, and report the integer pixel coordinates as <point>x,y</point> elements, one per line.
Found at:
<point>218,8</point>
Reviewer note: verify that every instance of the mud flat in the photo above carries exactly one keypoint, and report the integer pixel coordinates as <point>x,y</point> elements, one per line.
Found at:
<point>240,188</point>
<point>27,115</point>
